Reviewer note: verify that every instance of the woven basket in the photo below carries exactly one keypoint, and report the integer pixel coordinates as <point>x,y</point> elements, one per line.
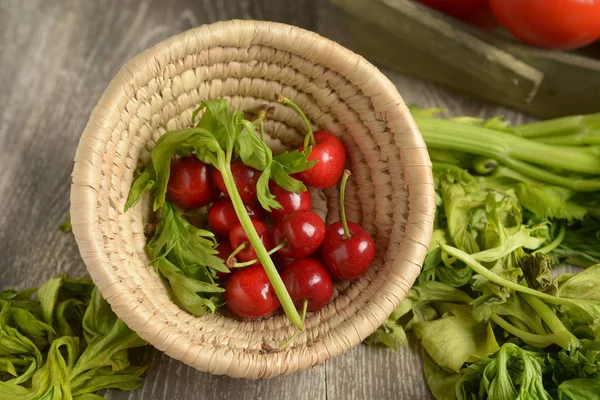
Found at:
<point>247,62</point>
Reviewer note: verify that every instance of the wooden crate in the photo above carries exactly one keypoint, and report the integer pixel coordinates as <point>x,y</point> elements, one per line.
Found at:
<point>412,38</point>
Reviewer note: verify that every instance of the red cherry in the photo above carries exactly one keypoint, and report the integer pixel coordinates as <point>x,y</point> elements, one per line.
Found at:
<point>347,258</point>
<point>190,184</point>
<point>307,279</point>
<point>249,293</point>
<point>237,236</point>
<point>304,231</point>
<point>331,157</point>
<point>255,211</point>
<point>281,262</point>
<point>289,201</point>
<point>347,250</point>
<point>245,179</point>
<point>222,216</point>
<point>224,249</point>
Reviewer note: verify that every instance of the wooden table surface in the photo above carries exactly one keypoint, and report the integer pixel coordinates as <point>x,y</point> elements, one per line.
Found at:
<point>56,59</point>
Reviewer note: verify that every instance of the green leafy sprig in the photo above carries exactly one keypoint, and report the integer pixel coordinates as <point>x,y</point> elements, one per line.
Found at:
<point>220,135</point>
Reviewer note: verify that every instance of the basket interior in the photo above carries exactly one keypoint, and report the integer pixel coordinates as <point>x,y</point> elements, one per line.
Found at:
<point>157,92</point>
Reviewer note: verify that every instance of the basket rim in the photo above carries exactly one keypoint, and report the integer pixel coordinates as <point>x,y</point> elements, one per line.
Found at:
<point>84,203</point>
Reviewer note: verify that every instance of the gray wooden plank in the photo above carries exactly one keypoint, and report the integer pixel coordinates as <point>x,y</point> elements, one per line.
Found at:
<point>377,373</point>
<point>170,379</point>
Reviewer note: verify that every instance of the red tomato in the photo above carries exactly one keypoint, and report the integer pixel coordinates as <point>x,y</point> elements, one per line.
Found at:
<point>555,24</point>
<point>475,12</point>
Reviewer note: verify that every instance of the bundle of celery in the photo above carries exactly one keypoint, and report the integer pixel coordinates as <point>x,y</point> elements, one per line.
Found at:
<point>493,318</point>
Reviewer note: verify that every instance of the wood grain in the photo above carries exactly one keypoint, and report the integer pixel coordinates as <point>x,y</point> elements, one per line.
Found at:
<point>56,58</point>
<point>428,45</point>
<point>170,379</point>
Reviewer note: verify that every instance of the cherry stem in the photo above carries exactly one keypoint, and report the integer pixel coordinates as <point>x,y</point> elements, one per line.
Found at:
<point>309,138</point>
<point>295,335</point>
<point>237,250</point>
<point>347,173</point>
<point>304,308</point>
<point>270,252</point>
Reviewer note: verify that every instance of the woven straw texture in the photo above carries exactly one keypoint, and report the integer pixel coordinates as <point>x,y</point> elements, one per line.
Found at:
<point>390,192</point>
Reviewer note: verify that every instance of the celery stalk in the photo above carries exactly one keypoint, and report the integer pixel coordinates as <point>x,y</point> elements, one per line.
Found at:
<point>575,139</point>
<point>523,156</point>
<point>450,135</point>
<point>574,124</point>
<point>577,184</point>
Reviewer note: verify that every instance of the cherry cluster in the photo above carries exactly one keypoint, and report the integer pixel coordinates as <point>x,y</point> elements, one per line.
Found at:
<point>307,253</point>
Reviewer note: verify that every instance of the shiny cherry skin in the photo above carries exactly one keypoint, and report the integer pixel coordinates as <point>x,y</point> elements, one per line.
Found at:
<point>249,293</point>
<point>289,201</point>
<point>308,279</point>
<point>190,184</point>
<point>347,258</point>
<point>245,179</point>
<point>281,262</point>
<point>237,236</point>
<point>224,250</point>
<point>304,231</point>
<point>331,156</point>
<point>222,216</point>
